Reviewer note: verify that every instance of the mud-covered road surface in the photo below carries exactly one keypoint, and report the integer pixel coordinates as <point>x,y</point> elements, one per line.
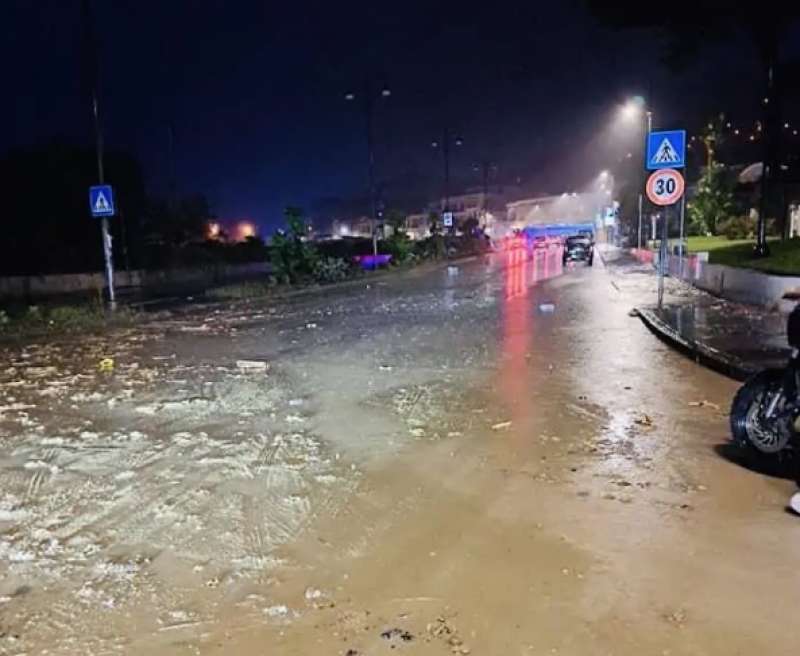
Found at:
<point>489,459</point>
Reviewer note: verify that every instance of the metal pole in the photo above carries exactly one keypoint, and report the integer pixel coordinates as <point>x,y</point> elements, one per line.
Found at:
<point>104,227</point>
<point>485,208</point>
<point>662,258</point>
<point>648,129</point>
<point>446,150</point>
<point>680,243</point>
<point>639,234</point>
<point>770,107</point>
<point>371,155</point>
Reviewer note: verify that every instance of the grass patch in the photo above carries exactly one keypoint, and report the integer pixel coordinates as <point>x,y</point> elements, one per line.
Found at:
<point>702,244</point>
<point>784,258</point>
<point>38,319</point>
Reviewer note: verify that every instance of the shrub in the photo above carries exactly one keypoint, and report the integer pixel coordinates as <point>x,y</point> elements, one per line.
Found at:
<point>737,227</point>
<point>399,246</point>
<point>332,269</point>
<point>292,257</point>
<point>75,316</point>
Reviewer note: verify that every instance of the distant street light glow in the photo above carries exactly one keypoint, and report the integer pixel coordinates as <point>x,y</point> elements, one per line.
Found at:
<point>246,229</point>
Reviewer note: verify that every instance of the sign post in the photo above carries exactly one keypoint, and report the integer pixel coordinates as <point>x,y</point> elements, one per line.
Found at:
<point>666,152</point>
<point>664,187</point>
<point>101,205</point>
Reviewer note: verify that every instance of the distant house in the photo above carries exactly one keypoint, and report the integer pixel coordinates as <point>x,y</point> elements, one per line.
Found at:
<point>360,226</point>
<point>486,207</point>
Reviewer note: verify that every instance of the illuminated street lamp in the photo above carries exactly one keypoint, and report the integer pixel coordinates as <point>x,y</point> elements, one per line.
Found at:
<point>636,108</point>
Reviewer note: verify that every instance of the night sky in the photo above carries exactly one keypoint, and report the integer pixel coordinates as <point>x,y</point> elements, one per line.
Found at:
<point>256,89</point>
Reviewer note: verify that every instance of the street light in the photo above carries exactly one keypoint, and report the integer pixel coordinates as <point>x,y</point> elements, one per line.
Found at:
<point>636,108</point>
<point>368,106</point>
<point>445,143</point>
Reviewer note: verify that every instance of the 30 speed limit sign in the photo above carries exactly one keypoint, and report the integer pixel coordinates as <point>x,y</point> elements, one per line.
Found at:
<point>665,187</point>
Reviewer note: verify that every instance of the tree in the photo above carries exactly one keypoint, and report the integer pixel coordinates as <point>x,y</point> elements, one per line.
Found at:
<point>292,257</point>
<point>713,201</point>
<point>712,137</point>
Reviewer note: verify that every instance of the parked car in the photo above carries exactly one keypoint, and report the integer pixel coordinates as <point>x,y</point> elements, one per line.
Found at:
<point>578,249</point>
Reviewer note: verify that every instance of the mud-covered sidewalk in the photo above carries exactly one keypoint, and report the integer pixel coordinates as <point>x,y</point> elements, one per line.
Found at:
<point>494,459</point>
<point>733,338</point>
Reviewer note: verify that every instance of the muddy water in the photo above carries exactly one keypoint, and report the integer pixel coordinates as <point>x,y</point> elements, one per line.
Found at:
<point>499,461</point>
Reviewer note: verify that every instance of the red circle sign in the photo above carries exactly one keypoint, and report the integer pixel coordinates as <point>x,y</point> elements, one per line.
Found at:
<point>665,187</point>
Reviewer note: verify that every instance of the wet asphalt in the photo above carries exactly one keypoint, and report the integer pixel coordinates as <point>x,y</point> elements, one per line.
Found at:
<point>490,457</point>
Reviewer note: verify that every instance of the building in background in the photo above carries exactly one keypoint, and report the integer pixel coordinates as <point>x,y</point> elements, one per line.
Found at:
<point>483,207</point>
<point>359,226</point>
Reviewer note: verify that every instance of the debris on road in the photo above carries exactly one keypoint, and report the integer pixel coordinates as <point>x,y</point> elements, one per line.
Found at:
<point>397,634</point>
<point>251,366</point>
<point>447,633</point>
<point>704,404</point>
<point>106,365</point>
<point>547,308</point>
<point>644,420</point>
<point>501,426</point>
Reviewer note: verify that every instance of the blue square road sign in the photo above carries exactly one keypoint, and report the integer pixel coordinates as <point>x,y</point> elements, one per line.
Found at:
<point>101,200</point>
<point>666,150</point>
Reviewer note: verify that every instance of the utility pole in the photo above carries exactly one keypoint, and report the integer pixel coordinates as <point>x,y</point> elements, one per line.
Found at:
<point>446,153</point>
<point>92,68</point>
<point>768,137</point>
<point>369,108</point>
<point>648,130</point>
<point>639,234</point>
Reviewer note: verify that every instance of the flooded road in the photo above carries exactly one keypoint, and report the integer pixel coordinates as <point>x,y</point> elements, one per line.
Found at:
<point>492,458</point>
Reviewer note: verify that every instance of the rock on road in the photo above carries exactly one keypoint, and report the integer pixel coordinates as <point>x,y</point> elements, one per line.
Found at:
<point>495,459</point>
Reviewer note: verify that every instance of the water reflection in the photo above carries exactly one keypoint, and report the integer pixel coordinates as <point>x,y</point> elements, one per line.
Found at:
<point>524,268</point>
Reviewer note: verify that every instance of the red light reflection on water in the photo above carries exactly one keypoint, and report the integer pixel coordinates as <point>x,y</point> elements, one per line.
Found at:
<point>523,270</point>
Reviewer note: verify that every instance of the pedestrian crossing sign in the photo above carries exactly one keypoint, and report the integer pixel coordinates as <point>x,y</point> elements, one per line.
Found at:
<point>101,200</point>
<point>666,150</point>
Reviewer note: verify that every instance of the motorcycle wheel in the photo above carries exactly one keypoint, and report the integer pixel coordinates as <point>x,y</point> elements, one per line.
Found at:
<point>748,427</point>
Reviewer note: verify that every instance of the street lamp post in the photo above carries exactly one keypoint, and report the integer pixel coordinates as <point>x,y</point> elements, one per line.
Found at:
<point>485,168</point>
<point>767,168</point>
<point>648,130</point>
<point>445,144</point>
<point>368,98</point>
<point>634,108</point>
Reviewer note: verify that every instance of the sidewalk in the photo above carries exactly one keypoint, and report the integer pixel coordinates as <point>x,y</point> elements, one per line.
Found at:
<point>732,338</point>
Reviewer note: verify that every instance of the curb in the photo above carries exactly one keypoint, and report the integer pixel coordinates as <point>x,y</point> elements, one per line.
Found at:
<point>701,353</point>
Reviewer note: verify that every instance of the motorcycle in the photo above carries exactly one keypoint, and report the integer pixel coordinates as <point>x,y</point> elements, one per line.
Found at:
<point>766,408</point>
